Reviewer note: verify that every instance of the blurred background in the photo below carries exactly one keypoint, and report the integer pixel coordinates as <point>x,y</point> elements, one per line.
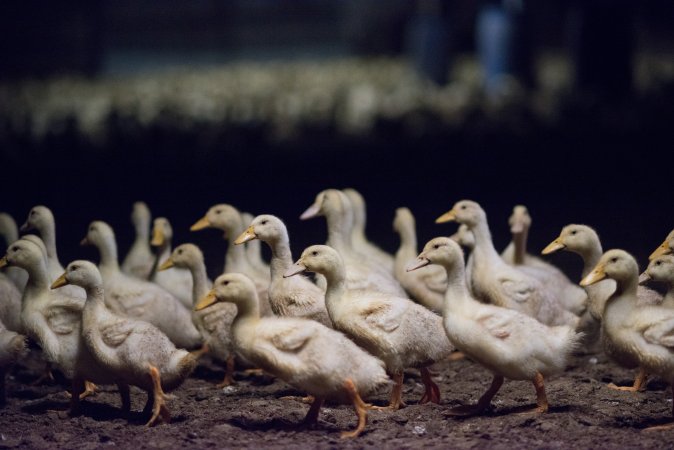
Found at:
<point>564,106</point>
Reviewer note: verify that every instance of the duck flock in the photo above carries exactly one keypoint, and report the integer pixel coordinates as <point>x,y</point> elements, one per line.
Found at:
<point>350,329</point>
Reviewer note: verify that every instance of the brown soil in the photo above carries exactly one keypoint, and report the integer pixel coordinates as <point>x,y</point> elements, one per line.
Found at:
<point>584,414</point>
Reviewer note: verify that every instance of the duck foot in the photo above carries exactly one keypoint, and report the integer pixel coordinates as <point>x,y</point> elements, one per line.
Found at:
<point>396,401</point>
<point>309,399</point>
<point>359,406</point>
<point>667,426</point>
<point>638,385</point>
<point>159,400</point>
<point>456,356</point>
<point>432,393</point>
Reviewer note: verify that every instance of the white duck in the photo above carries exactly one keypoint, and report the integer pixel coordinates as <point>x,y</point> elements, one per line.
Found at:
<point>12,347</point>
<point>572,296</point>
<point>507,342</point>
<point>132,351</point>
<point>634,335</point>
<point>496,282</point>
<point>304,353</point>
<point>53,320</point>
<point>214,323</point>
<point>288,297</point>
<point>400,332</point>
<point>137,298</point>
<point>228,219</point>
<point>10,233</point>
<point>358,238</point>
<point>140,259</point>
<point>179,281</point>
<point>41,219</point>
<point>426,286</point>
<point>666,248</point>
<point>254,249</point>
<point>361,272</point>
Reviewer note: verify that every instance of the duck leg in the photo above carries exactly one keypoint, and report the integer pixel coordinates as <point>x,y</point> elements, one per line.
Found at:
<point>229,373</point>
<point>46,375</point>
<point>159,399</point>
<point>432,393</point>
<point>541,399</point>
<point>200,352</point>
<point>359,406</point>
<point>89,389</point>
<point>396,400</point>
<point>638,385</point>
<point>126,398</point>
<point>483,402</point>
<point>312,415</point>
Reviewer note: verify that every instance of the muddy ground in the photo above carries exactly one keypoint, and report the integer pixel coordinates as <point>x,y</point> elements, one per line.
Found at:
<point>584,414</point>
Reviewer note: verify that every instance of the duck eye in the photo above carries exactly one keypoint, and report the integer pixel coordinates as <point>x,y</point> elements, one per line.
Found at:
<point>658,263</point>
<point>74,267</point>
<point>463,206</point>
<point>180,251</point>
<point>613,260</point>
<point>314,253</point>
<point>225,283</point>
<point>218,211</point>
<point>264,222</point>
<point>32,213</point>
<point>14,249</point>
<point>436,246</point>
<point>574,232</point>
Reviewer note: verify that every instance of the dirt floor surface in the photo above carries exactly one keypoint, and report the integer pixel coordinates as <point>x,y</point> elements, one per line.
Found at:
<point>584,414</point>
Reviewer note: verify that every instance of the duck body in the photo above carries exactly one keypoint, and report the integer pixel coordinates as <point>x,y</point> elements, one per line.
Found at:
<point>292,296</point>
<point>427,285</point>
<point>10,304</point>
<point>139,261</point>
<point>140,299</point>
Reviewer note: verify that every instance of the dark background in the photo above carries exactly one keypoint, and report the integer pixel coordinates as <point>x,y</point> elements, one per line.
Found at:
<point>605,161</point>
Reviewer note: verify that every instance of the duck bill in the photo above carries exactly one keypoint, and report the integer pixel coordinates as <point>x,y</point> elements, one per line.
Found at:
<point>296,268</point>
<point>201,224</point>
<point>553,247</point>
<point>166,265</point>
<point>157,238</point>
<point>25,227</point>
<point>663,249</point>
<point>60,281</point>
<point>593,277</point>
<point>3,262</point>
<point>449,216</point>
<point>644,278</point>
<point>420,262</point>
<point>246,236</point>
<point>84,241</point>
<point>311,212</point>
<point>207,301</point>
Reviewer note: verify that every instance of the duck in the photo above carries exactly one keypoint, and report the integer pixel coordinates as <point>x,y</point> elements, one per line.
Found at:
<point>507,342</point>
<point>496,282</point>
<point>12,347</point>
<point>227,218</point>
<point>179,281</point>
<point>133,351</point>
<point>288,297</point>
<point>54,321</point>
<point>254,249</point>
<point>358,238</point>
<point>666,248</point>
<point>426,286</point>
<point>634,335</point>
<point>572,296</point>
<point>139,261</point>
<point>10,233</point>
<point>464,237</point>
<point>304,353</point>
<point>396,330</point>
<point>137,298</point>
<point>214,324</point>
<point>584,241</point>
<point>661,269</point>
<point>362,272</point>
<point>41,219</point>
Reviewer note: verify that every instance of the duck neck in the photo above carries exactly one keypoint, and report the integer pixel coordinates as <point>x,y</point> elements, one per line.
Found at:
<point>235,258</point>
<point>456,295</point>
<point>10,233</point>
<point>38,277</point>
<point>484,247</point>
<point>336,287</point>
<point>281,257</point>
<point>142,227</point>
<point>48,235</point>
<point>95,311</point>
<point>199,280</point>
<point>108,252</point>
<point>408,241</point>
<point>627,287</point>
<point>338,237</point>
<point>520,246</point>
<point>248,310</point>
<point>590,256</point>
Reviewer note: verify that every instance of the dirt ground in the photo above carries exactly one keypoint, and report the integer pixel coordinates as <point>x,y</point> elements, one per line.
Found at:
<point>584,414</point>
